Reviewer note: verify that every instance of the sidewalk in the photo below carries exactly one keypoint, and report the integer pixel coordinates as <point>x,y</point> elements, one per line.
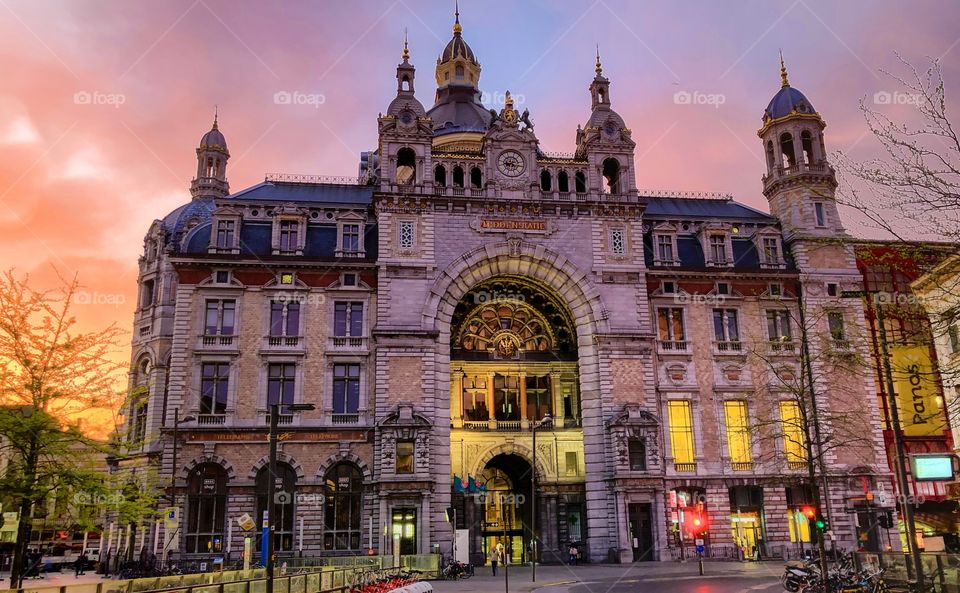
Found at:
<point>559,578</point>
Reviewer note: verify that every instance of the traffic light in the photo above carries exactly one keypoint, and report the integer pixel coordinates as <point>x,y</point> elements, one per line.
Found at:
<point>698,524</point>
<point>809,512</point>
<point>820,524</point>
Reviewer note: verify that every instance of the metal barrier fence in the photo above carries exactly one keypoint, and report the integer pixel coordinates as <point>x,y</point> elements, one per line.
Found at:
<point>898,567</point>
<point>307,575</point>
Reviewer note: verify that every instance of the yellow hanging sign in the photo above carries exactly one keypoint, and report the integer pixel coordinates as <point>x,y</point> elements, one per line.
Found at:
<point>915,384</point>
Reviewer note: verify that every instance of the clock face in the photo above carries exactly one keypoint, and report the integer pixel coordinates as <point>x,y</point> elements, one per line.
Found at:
<point>511,163</point>
<point>610,128</point>
<point>406,118</point>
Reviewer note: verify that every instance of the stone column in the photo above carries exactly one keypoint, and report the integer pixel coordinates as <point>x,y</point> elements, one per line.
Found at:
<point>524,421</point>
<point>490,411</point>
<point>776,532</point>
<point>456,398</point>
<point>557,399</point>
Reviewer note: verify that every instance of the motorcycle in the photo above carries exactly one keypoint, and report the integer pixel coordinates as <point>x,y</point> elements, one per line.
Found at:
<point>798,574</point>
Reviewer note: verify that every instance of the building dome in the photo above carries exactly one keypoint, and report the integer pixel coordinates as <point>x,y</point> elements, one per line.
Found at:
<point>186,217</point>
<point>788,100</point>
<point>457,48</point>
<point>214,138</point>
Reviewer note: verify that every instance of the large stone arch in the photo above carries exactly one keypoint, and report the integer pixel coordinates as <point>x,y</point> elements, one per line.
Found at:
<point>185,470</point>
<point>348,457</point>
<point>281,458</point>
<point>516,257</point>
<point>510,449</point>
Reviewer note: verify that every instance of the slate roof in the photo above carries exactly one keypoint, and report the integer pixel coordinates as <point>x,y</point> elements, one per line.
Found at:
<point>327,193</point>
<point>703,208</point>
<point>786,101</point>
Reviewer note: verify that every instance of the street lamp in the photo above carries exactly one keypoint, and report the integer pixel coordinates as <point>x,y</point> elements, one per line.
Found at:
<point>272,468</point>
<point>547,421</point>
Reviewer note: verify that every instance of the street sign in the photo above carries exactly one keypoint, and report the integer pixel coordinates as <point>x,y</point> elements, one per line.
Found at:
<point>698,542</point>
<point>700,548</point>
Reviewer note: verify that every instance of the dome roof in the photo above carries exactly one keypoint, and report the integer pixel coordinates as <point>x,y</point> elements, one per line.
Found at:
<point>458,109</point>
<point>214,138</point>
<point>457,48</point>
<point>186,217</point>
<point>788,100</point>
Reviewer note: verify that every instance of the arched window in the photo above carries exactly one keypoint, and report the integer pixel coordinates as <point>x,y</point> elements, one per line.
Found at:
<point>476,178</point>
<point>282,495</point>
<point>611,175</point>
<point>343,507</point>
<point>406,166</point>
<point>580,182</point>
<point>459,72</point>
<point>440,175</point>
<point>206,508</point>
<point>546,182</point>
<point>143,372</point>
<point>458,176</point>
<point>563,182</point>
<point>787,154</point>
<point>405,83</point>
<point>771,157</point>
<point>806,144</point>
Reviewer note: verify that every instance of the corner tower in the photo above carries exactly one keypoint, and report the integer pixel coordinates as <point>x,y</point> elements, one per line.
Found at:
<point>212,157</point>
<point>799,184</point>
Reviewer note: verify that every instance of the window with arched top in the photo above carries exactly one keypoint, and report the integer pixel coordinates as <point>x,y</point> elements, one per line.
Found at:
<point>546,181</point>
<point>406,166</point>
<point>611,175</point>
<point>458,176</point>
<point>506,328</point>
<point>771,156</point>
<point>459,72</point>
<point>580,182</point>
<point>206,509</point>
<point>440,176</point>
<point>405,83</point>
<point>343,507</point>
<point>787,154</point>
<point>476,178</point>
<point>806,144</point>
<point>278,495</point>
<point>563,182</point>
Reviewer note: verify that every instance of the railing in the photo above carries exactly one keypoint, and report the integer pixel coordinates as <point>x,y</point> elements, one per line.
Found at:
<point>779,172</point>
<point>581,197</point>
<point>482,425</point>
<point>673,346</point>
<point>458,192</point>
<point>283,341</point>
<point>508,425</point>
<point>939,568</point>
<point>211,419</point>
<point>217,340</point>
<point>314,179</point>
<point>797,465</point>
<point>281,418</point>
<point>685,467</point>
<point>695,195</point>
<point>728,347</point>
<point>347,343</point>
<point>741,466</point>
<point>783,347</point>
<point>345,418</point>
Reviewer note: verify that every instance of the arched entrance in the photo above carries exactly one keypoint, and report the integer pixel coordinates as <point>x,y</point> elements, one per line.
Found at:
<point>514,369</point>
<point>505,507</point>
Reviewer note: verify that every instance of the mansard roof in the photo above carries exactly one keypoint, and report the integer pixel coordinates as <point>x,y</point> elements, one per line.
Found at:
<point>676,207</point>
<point>305,191</point>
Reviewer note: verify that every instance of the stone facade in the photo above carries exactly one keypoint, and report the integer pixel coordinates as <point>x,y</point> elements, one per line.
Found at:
<point>469,288</point>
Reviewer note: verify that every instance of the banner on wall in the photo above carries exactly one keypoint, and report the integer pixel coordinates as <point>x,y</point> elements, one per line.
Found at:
<point>914,382</point>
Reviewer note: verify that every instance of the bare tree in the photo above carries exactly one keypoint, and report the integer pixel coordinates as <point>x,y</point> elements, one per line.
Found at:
<point>49,373</point>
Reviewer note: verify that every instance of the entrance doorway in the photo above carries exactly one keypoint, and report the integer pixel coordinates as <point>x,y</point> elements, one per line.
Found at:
<point>405,530</point>
<point>746,520</point>
<point>505,517</point>
<point>641,531</point>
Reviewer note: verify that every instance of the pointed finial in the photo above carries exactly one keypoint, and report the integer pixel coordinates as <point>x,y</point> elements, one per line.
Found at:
<point>456,24</point>
<point>783,72</point>
<point>216,116</point>
<point>599,68</point>
<point>508,100</point>
<point>406,49</point>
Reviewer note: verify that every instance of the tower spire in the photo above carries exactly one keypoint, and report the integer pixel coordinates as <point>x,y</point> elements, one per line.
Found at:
<point>406,49</point>
<point>598,68</point>
<point>783,72</point>
<point>456,23</point>
<point>216,116</point>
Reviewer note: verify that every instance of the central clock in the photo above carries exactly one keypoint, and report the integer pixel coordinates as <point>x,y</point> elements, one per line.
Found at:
<point>511,163</point>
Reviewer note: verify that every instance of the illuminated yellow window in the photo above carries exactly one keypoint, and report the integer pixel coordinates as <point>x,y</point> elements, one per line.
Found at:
<point>738,431</point>
<point>681,430</point>
<point>794,440</point>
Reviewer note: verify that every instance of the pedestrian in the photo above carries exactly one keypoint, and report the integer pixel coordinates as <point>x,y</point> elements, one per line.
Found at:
<point>81,565</point>
<point>502,553</point>
<point>494,558</point>
<point>572,552</point>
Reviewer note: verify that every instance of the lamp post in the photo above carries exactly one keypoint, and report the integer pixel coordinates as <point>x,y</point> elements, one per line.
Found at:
<point>272,469</point>
<point>547,421</point>
<point>177,421</point>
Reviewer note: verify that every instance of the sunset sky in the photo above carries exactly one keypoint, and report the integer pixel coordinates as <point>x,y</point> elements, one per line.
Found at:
<point>102,103</point>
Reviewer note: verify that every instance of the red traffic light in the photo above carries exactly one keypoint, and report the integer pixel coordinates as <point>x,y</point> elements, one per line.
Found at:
<point>809,512</point>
